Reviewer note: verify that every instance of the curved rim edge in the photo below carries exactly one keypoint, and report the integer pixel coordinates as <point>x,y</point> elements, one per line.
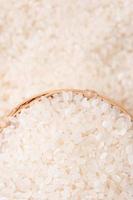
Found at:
<point>86,93</point>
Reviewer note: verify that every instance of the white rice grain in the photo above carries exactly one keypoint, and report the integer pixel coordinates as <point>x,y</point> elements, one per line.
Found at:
<point>67,147</point>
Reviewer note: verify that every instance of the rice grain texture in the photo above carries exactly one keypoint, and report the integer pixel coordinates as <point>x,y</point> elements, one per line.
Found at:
<point>67,147</point>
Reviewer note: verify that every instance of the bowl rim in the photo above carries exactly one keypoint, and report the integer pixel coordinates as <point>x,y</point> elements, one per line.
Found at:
<point>86,93</point>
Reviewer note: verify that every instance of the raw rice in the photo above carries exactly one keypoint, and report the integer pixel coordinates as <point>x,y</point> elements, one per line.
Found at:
<point>67,147</point>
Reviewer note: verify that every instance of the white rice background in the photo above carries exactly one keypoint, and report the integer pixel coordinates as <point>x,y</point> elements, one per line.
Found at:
<point>46,44</point>
<point>67,148</point>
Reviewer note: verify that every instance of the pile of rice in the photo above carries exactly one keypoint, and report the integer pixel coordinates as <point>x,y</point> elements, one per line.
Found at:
<point>67,148</point>
<point>46,44</point>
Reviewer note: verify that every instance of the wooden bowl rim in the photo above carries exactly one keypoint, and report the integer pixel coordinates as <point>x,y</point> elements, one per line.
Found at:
<point>86,93</point>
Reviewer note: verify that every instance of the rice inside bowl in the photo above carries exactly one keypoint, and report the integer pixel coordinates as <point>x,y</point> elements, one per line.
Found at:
<point>67,147</point>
